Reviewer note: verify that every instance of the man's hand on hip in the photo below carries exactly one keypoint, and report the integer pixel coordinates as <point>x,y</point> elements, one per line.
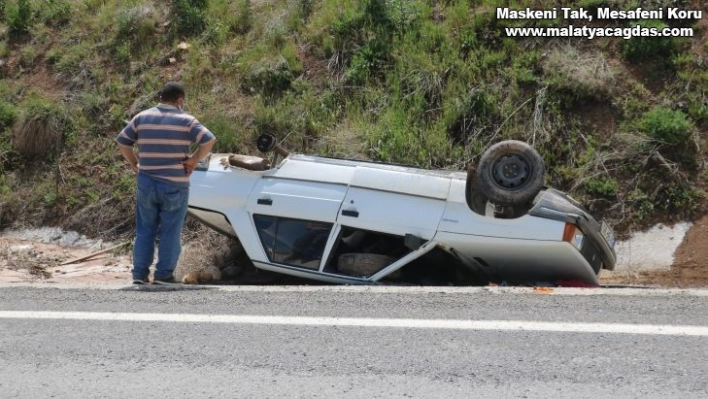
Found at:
<point>191,162</point>
<point>189,165</point>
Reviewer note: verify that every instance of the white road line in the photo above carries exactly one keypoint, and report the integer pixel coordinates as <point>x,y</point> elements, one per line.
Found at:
<point>479,325</point>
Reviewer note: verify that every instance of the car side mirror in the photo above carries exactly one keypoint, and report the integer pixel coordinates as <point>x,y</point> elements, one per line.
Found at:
<point>267,142</point>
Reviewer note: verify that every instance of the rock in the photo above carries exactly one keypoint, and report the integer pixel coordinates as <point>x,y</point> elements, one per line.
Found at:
<point>210,273</point>
<point>84,242</point>
<point>69,239</point>
<point>54,234</point>
<point>183,46</point>
<point>15,249</point>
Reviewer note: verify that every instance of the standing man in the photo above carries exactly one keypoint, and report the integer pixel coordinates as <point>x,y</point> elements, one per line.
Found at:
<point>164,135</point>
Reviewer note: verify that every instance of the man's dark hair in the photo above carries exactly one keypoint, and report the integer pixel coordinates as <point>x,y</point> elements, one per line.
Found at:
<point>171,92</point>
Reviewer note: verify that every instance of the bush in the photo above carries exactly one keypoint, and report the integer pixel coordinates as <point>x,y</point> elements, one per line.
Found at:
<point>189,17</point>
<point>639,49</point>
<point>135,26</point>
<point>55,12</point>
<point>364,40</point>
<point>666,126</point>
<point>366,63</point>
<point>270,78</point>
<point>404,14</point>
<point>606,187</point>
<point>19,18</point>
<point>8,114</point>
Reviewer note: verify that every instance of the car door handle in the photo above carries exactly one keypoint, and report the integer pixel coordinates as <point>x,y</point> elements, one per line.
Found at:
<point>265,201</point>
<point>347,212</point>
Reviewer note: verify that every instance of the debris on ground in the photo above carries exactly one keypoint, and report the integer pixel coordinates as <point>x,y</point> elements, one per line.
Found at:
<point>53,255</point>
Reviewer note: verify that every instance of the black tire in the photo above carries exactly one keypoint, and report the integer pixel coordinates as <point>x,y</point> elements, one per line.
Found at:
<point>510,173</point>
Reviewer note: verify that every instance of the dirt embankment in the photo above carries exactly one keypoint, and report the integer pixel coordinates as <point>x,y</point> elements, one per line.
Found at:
<point>689,268</point>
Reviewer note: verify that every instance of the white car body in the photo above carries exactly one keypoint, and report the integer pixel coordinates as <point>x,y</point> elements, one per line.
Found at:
<point>424,209</point>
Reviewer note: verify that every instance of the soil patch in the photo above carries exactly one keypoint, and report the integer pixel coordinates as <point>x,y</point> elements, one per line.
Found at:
<point>598,117</point>
<point>42,80</point>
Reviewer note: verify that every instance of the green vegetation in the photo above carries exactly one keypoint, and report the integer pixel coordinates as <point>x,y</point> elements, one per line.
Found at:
<point>603,187</point>
<point>189,17</point>
<point>19,18</point>
<point>666,126</point>
<point>8,114</point>
<point>650,48</point>
<point>620,123</point>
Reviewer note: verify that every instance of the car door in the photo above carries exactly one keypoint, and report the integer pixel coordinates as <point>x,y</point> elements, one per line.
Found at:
<point>395,202</point>
<point>294,219</point>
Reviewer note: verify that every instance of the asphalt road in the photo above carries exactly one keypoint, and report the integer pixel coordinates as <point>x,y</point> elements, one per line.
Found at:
<point>324,342</point>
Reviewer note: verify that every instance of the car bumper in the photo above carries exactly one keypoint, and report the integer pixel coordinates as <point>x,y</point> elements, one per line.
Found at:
<point>556,205</point>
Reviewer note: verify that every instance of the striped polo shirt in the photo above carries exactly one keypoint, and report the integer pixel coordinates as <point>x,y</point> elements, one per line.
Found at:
<point>164,135</point>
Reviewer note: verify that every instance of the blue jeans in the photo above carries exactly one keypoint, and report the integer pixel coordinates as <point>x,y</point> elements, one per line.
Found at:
<point>161,208</point>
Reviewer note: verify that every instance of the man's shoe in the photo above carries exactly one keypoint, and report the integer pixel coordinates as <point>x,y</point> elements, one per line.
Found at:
<point>166,280</point>
<point>140,281</point>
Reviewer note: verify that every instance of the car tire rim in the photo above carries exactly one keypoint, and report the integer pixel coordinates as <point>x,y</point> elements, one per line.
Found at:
<point>511,171</point>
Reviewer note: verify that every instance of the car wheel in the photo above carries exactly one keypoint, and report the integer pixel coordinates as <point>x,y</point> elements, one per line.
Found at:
<point>510,173</point>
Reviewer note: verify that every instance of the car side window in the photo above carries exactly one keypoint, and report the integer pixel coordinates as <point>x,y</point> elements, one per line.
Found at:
<point>293,242</point>
<point>362,253</point>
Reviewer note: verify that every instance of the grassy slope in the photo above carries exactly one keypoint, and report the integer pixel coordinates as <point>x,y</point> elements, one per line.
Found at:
<point>621,124</point>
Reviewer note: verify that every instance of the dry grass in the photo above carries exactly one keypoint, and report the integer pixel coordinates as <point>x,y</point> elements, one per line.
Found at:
<point>581,71</point>
<point>344,141</point>
<point>206,250</point>
<point>108,219</point>
<point>37,136</point>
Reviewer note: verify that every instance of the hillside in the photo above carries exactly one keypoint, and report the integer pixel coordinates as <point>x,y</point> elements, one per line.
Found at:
<point>622,124</point>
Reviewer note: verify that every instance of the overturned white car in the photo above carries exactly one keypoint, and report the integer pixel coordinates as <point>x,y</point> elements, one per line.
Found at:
<point>358,222</point>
